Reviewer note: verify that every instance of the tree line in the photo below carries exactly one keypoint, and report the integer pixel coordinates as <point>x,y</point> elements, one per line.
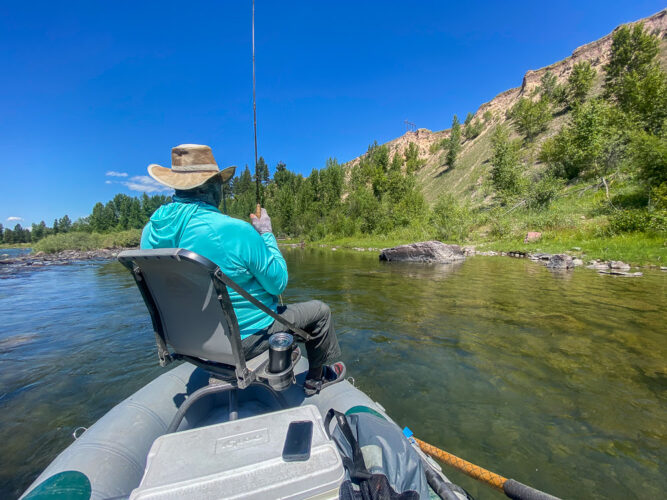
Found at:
<point>379,195</point>
<point>121,213</point>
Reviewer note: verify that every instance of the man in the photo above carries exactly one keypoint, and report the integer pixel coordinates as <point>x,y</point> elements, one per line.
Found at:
<point>247,253</point>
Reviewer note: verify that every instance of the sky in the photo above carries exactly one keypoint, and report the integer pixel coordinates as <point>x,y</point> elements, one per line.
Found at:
<point>91,93</point>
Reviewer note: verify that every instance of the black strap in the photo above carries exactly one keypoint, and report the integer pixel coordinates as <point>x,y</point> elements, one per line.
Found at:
<point>295,329</point>
<point>355,466</point>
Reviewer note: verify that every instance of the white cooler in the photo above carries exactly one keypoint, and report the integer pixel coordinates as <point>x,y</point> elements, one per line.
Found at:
<point>242,459</point>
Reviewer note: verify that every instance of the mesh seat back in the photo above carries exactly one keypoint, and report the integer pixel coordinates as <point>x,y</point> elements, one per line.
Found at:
<point>182,287</point>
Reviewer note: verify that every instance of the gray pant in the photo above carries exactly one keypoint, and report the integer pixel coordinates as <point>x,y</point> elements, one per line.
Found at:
<point>314,317</point>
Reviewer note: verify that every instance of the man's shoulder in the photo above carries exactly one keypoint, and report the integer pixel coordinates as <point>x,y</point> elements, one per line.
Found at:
<point>221,221</point>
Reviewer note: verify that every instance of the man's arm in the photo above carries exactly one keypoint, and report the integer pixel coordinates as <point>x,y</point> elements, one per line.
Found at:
<point>264,259</point>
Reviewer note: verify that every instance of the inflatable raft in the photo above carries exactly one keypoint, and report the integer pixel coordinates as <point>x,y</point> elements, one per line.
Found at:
<point>127,453</point>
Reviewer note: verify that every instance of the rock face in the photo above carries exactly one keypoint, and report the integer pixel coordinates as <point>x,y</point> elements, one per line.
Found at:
<point>560,261</point>
<point>532,236</point>
<point>425,251</point>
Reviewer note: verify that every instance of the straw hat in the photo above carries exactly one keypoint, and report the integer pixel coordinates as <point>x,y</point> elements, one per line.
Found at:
<point>191,166</point>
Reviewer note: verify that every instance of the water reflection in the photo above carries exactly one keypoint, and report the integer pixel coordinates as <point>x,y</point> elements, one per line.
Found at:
<point>557,380</point>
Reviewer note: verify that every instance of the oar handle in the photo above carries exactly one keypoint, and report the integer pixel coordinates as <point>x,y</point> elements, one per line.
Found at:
<point>258,211</point>
<point>512,488</point>
<point>519,491</point>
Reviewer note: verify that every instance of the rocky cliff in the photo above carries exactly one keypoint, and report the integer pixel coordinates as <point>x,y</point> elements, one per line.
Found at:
<point>467,179</point>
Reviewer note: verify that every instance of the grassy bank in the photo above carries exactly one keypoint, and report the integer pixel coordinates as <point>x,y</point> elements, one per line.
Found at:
<point>87,241</point>
<point>581,222</point>
<point>563,231</point>
<point>15,245</point>
<point>634,248</point>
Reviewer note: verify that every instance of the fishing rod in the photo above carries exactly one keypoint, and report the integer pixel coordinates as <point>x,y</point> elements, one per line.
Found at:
<point>254,116</point>
<point>511,487</point>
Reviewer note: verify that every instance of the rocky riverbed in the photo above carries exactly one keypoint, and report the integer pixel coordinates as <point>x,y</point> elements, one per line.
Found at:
<point>37,260</point>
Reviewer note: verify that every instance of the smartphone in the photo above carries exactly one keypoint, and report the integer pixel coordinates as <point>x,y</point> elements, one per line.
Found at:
<point>298,441</point>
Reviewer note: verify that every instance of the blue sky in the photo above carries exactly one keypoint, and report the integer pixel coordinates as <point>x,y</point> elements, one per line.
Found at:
<point>91,88</point>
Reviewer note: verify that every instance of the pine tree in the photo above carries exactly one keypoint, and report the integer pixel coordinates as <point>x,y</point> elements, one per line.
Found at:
<point>64,224</point>
<point>281,175</point>
<point>454,143</point>
<point>262,171</point>
<point>2,234</point>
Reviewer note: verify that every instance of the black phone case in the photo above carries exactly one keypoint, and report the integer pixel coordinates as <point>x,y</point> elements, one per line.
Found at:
<point>298,441</point>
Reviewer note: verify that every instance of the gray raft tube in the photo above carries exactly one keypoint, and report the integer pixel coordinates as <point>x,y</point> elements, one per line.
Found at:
<point>108,459</point>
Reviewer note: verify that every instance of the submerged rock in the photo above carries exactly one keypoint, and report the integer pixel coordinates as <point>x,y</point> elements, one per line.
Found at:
<point>425,251</point>
<point>539,256</point>
<point>560,261</point>
<point>614,272</point>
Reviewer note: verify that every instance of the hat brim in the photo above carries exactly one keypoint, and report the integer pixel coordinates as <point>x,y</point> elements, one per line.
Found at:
<point>186,180</point>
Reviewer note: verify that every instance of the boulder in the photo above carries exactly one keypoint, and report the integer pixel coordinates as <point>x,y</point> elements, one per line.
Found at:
<point>532,236</point>
<point>560,261</point>
<point>425,251</point>
<point>578,262</point>
<point>620,265</point>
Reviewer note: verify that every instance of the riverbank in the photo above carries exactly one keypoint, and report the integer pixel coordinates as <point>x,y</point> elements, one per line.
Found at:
<point>637,249</point>
<point>37,260</point>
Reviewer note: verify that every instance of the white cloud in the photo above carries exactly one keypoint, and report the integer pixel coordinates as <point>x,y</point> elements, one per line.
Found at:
<point>14,219</point>
<point>108,182</point>
<point>113,173</point>
<point>145,184</point>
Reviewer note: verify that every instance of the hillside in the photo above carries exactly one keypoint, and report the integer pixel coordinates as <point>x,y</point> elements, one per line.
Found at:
<point>467,179</point>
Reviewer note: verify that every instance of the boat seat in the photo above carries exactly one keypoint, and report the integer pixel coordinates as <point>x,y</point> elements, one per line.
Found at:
<point>192,314</point>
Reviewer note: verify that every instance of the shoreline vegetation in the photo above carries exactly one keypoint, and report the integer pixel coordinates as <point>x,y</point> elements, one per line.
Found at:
<point>580,159</point>
<point>639,250</point>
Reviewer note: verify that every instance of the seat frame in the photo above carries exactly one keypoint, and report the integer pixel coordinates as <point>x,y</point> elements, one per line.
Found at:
<point>223,377</point>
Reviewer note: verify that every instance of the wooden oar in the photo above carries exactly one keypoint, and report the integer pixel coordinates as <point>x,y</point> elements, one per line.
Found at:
<point>512,488</point>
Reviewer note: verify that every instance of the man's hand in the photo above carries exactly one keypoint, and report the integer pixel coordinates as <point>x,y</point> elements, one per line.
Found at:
<point>263,223</point>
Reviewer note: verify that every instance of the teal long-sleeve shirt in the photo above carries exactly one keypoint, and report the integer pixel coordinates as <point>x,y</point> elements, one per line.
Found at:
<point>251,260</point>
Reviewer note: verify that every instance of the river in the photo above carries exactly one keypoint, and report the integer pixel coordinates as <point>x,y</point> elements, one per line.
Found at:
<point>558,380</point>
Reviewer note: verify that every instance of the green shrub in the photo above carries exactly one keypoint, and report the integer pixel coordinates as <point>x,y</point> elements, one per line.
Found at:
<point>87,241</point>
<point>530,117</point>
<point>68,241</point>
<point>122,239</point>
<point>505,164</point>
<point>451,220</point>
<point>579,82</point>
<point>472,127</point>
<point>542,192</point>
<point>638,220</point>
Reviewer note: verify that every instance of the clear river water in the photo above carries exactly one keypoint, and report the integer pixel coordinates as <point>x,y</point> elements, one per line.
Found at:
<point>558,380</point>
